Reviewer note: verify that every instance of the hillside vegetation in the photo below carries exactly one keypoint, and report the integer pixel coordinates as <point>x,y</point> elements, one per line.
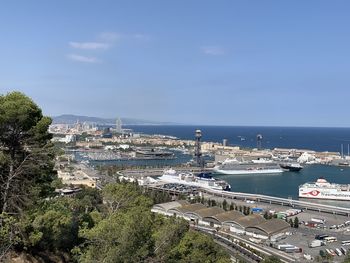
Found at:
<point>113,225</point>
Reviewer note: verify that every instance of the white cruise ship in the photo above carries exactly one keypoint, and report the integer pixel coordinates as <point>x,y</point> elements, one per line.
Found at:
<point>202,180</point>
<point>322,189</point>
<point>234,167</point>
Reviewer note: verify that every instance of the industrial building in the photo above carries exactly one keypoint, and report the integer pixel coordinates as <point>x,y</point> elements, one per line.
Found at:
<point>253,225</point>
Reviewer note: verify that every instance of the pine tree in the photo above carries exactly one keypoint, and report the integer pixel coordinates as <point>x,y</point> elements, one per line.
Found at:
<point>224,205</point>
<point>296,222</point>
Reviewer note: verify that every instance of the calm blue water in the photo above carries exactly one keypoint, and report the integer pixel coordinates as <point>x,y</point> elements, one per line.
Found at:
<point>319,139</point>
<point>286,184</point>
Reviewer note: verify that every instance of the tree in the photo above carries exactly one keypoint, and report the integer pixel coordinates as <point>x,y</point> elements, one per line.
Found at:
<point>272,259</point>
<point>266,215</point>
<point>231,206</point>
<point>347,259</point>
<point>224,205</point>
<point>8,234</point>
<point>198,248</point>
<point>296,222</point>
<point>121,237</point>
<point>168,234</point>
<point>26,154</point>
<point>123,196</point>
<point>291,222</point>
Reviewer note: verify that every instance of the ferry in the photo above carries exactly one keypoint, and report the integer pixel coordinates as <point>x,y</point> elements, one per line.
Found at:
<point>202,180</point>
<point>322,189</point>
<point>234,167</point>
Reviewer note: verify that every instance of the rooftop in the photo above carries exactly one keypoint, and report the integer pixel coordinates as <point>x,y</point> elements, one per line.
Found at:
<point>272,226</point>
<point>250,220</point>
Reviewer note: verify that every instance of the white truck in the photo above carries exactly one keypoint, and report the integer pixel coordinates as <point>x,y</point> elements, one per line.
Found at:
<point>318,220</point>
<point>316,243</point>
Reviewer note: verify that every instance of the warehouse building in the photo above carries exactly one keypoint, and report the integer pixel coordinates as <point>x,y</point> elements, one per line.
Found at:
<point>252,225</point>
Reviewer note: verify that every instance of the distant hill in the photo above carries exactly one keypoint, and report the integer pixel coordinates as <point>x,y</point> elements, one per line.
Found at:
<point>71,119</point>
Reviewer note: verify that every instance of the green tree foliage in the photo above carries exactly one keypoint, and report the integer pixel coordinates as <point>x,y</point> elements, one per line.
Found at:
<point>291,222</point>
<point>168,234</point>
<point>26,154</point>
<point>272,259</point>
<point>123,196</point>
<point>54,224</point>
<point>113,225</point>
<point>8,234</point>
<point>266,215</point>
<point>296,222</point>
<point>224,205</point>
<point>121,237</point>
<point>347,259</point>
<point>129,232</point>
<point>232,207</point>
<point>195,247</point>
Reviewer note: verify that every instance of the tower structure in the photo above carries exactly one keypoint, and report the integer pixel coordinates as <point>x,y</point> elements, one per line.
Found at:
<point>198,150</point>
<point>118,125</point>
<point>259,138</point>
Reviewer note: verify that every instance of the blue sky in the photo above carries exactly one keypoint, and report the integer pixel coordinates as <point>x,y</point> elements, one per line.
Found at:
<point>284,63</point>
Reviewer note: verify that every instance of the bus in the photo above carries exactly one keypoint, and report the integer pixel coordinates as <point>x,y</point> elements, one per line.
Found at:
<point>345,242</point>
<point>330,239</point>
<point>321,237</point>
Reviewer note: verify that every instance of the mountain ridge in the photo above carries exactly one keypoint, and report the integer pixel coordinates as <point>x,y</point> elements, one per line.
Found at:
<point>72,118</point>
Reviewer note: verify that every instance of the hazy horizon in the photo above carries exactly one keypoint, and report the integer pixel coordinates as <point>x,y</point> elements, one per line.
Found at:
<point>168,123</point>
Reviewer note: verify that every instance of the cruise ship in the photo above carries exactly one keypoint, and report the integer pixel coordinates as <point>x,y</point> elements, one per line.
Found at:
<point>202,180</point>
<point>322,189</point>
<point>234,167</point>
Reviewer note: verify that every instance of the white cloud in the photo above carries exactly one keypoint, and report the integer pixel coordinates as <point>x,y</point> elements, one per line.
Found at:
<point>141,36</point>
<point>84,59</point>
<point>89,45</point>
<point>213,50</point>
<point>109,36</point>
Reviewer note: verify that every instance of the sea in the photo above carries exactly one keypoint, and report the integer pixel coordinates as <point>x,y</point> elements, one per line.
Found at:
<point>318,139</point>
<point>281,185</point>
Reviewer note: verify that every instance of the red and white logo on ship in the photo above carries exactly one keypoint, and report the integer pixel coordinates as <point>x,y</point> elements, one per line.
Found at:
<point>313,193</point>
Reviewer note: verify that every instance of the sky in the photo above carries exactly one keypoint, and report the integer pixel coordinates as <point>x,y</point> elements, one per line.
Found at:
<point>270,63</point>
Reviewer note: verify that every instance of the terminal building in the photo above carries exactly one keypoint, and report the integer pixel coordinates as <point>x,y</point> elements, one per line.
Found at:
<point>253,225</point>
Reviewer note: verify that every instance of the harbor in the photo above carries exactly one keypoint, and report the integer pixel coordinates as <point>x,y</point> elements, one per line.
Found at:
<point>263,186</point>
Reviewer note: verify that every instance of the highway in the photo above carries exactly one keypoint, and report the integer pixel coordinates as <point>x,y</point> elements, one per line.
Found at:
<point>266,199</point>
<point>280,201</point>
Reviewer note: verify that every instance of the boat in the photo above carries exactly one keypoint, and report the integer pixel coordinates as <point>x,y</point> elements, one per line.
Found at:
<point>291,167</point>
<point>234,167</point>
<point>322,189</point>
<point>187,178</point>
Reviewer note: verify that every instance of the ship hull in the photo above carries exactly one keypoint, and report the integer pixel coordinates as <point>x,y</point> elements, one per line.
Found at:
<point>176,180</point>
<point>321,194</point>
<point>291,168</point>
<point>248,172</point>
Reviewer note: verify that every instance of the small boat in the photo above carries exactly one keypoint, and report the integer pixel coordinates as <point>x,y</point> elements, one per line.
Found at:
<point>292,167</point>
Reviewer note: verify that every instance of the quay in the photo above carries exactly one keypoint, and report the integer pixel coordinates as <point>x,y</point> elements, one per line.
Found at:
<point>304,205</point>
